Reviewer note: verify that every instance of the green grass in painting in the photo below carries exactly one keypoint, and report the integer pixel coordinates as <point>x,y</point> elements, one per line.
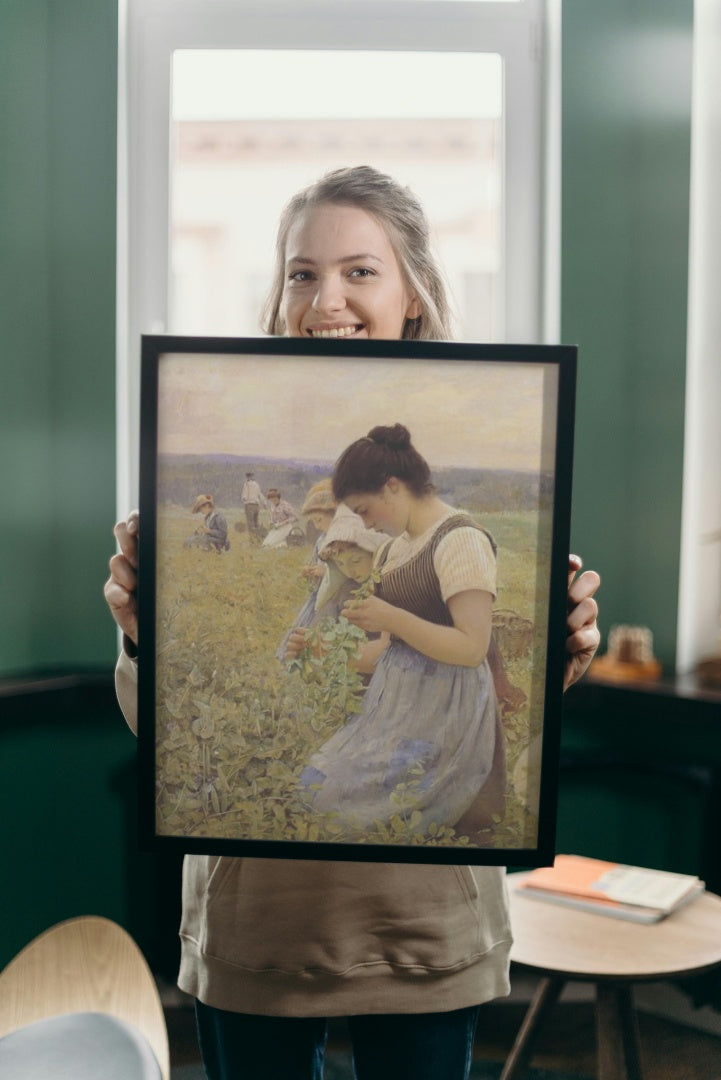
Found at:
<point>234,727</point>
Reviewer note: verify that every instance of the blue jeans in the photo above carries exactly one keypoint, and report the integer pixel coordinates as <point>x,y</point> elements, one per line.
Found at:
<point>414,1046</point>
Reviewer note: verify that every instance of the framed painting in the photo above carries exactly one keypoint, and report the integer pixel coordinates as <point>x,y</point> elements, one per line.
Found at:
<point>337,663</point>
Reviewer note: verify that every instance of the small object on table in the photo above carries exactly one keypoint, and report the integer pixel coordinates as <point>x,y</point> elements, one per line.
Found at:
<point>708,671</point>
<point>637,893</point>
<point>629,657</point>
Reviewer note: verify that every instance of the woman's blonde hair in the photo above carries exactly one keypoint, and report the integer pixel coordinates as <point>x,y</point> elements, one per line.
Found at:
<point>403,217</point>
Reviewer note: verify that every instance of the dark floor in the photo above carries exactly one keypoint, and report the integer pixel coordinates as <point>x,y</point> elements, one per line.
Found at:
<point>669,1051</point>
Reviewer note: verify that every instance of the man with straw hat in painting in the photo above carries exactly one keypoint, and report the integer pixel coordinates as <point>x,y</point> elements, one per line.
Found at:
<point>212,535</point>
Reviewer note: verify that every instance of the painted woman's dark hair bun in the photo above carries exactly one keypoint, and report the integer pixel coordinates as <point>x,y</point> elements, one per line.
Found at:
<point>396,437</point>
<point>368,463</point>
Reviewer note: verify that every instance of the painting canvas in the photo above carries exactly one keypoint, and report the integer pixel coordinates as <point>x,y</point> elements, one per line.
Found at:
<point>261,730</point>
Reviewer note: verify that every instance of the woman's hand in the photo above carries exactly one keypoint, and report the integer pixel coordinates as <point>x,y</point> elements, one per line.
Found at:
<point>372,614</point>
<point>121,587</point>
<point>582,633</point>
<point>314,573</point>
<point>464,643</point>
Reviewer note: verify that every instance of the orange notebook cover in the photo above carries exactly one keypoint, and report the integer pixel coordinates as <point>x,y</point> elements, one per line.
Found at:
<point>610,882</point>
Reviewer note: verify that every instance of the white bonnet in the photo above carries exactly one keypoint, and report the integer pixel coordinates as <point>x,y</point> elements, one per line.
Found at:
<point>349,528</point>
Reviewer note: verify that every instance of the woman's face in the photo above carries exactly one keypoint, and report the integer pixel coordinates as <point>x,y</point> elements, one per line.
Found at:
<point>342,277</point>
<point>385,511</point>
<point>355,563</point>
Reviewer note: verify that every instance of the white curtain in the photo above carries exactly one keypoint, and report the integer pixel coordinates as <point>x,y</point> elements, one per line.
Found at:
<point>700,581</point>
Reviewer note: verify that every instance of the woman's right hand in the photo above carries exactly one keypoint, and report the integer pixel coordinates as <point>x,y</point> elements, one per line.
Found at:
<point>122,585</point>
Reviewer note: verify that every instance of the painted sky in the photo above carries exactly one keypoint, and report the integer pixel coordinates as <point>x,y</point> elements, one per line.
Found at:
<point>459,413</point>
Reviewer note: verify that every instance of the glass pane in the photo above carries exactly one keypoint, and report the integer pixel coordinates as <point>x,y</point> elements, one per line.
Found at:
<point>250,128</point>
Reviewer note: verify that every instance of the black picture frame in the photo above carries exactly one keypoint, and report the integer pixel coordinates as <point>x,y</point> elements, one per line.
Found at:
<point>226,731</point>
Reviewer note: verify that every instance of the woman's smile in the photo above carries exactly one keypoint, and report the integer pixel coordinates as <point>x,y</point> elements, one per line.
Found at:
<point>335,331</point>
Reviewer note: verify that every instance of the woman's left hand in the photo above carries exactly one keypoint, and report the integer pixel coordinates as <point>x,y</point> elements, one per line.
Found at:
<point>582,633</point>
<point>372,614</point>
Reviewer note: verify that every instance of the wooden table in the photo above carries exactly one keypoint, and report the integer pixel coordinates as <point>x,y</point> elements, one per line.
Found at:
<point>563,944</point>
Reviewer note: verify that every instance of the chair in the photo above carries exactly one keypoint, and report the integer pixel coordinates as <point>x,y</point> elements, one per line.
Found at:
<point>80,1001</point>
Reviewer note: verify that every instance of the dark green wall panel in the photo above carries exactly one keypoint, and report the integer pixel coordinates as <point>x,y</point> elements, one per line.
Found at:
<point>58,78</point>
<point>626,147</point>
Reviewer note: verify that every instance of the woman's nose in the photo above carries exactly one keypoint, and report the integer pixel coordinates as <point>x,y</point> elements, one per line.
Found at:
<point>329,296</point>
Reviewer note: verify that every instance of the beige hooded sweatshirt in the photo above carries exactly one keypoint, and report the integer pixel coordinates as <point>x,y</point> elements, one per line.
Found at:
<point>287,937</point>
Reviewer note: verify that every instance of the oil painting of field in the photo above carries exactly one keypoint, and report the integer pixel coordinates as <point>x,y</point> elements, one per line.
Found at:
<point>236,722</point>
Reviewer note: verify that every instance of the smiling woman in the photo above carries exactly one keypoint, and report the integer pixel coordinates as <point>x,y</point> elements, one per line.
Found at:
<point>353,259</point>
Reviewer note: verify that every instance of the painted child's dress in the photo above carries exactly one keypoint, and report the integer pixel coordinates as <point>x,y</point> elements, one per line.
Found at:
<point>307,612</point>
<point>425,738</point>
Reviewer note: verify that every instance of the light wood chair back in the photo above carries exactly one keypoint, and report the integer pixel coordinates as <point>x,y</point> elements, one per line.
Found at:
<point>86,964</point>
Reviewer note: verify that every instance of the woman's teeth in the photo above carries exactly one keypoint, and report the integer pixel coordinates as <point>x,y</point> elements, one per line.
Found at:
<point>336,332</point>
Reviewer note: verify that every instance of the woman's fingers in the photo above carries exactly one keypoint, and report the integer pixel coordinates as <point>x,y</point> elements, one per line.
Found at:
<point>121,587</point>
<point>126,534</point>
<point>582,633</point>
<point>575,563</point>
<point>582,607</point>
<point>123,605</point>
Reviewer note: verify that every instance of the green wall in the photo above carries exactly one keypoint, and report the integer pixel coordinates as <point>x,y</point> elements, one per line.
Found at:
<point>625,201</point>
<point>58,74</point>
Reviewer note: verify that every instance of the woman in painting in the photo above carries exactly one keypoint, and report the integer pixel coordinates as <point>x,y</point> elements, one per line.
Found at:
<point>430,722</point>
<point>282,519</point>
<point>271,948</point>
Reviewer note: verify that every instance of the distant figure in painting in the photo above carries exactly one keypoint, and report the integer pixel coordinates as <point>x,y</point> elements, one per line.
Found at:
<point>212,535</point>
<point>282,519</point>
<point>252,498</point>
<point>430,720</point>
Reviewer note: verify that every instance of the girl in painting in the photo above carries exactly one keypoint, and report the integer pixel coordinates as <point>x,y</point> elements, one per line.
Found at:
<point>430,719</point>
<point>320,507</point>
<point>348,552</point>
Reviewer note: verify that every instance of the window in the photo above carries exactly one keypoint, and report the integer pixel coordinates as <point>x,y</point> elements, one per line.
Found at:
<point>227,107</point>
<point>236,161</point>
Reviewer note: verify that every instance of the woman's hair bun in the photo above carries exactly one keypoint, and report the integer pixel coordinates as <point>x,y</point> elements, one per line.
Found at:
<point>396,437</point>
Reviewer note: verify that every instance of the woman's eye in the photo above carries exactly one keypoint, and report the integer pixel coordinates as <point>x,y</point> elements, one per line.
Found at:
<point>299,276</point>
<point>362,272</point>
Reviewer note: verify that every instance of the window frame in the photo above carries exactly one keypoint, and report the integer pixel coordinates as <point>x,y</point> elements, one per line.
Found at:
<point>525,34</point>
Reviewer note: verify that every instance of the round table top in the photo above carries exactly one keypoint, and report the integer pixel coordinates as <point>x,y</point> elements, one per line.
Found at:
<point>559,940</point>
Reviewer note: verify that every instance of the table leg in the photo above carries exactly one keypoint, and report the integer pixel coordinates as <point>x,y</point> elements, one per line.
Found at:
<point>617,1033</point>
<point>545,997</point>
